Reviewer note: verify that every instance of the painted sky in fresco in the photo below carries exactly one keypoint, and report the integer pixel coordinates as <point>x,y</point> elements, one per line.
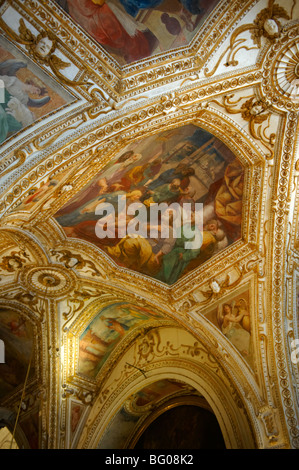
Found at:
<point>183,165</point>
<point>131,30</point>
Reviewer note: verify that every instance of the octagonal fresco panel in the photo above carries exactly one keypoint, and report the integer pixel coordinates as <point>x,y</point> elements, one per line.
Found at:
<point>187,165</point>
<point>131,30</point>
<point>105,331</point>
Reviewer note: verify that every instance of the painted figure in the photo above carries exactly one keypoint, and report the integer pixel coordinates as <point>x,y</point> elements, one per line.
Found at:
<point>207,173</point>
<point>106,22</point>
<point>108,327</point>
<point>136,29</point>
<point>14,111</point>
<point>231,326</point>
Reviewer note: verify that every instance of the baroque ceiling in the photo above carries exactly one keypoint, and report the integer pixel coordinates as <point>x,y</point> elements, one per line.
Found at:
<point>148,102</point>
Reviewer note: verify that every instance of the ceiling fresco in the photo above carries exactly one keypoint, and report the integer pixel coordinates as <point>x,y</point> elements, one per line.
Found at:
<point>44,191</point>
<point>131,30</point>
<point>17,334</point>
<point>232,317</point>
<point>105,331</point>
<point>29,94</point>
<point>184,166</point>
<point>125,105</point>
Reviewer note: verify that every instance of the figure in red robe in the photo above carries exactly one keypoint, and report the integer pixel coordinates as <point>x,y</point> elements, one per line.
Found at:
<point>109,24</point>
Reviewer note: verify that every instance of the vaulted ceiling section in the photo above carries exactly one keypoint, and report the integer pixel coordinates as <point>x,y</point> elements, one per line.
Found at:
<point>147,102</point>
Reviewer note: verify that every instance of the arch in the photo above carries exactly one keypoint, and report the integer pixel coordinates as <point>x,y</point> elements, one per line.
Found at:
<point>129,423</point>
<point>169,353</point>
<point>7,420</point>
<point>197,426</point>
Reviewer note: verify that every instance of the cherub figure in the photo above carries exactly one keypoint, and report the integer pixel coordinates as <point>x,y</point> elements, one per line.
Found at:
<point>42,48</point>
<point>230,317</point>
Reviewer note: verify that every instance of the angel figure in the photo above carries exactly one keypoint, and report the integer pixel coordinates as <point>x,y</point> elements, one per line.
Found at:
<point>14,110</point>
<point>230,317</point>
<point>267,24</point>
<point>42,48</point>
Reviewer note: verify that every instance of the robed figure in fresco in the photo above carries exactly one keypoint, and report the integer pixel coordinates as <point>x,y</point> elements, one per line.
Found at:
<point>234,322</point>
<point>188,166</point>
<point>105,331</point>
<point>132,30</point>
<point>15,110</point>
<point>109,24</point>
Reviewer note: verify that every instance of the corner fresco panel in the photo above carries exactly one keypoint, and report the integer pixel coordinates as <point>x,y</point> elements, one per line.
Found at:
<point>29,94</point>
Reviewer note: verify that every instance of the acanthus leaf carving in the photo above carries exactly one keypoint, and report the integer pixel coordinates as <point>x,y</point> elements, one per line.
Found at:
<point>256,111</point>
<point>267,25</point>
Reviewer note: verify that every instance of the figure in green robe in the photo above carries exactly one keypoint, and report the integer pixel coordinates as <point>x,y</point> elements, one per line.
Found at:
<point>14,105</point>
<point>165,192</point>
<point>8,124</point>
<point>175,262</point>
